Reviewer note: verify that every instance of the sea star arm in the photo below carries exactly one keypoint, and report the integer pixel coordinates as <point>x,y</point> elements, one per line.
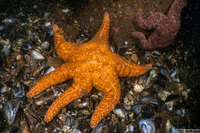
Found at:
<point>80,87</point>
<point>109,101</point>
<point>59,75</point>
<point>102,36</point>
<point>175,10</point>
<point>142,39</point>
<point>63,48</point>
<point>154,21</point>
<point>126,68</point>
<point>154,41</point>
<point>106,81</point>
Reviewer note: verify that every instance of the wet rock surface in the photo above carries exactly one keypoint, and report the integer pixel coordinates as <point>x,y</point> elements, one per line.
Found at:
<point>164,99</point>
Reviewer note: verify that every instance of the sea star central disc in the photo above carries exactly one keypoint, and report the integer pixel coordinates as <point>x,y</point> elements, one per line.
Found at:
<point>89,64</point>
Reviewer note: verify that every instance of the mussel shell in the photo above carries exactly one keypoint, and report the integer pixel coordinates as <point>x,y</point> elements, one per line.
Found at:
<point>147,126</point>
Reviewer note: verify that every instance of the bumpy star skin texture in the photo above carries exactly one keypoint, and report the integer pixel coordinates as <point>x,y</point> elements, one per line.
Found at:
<point>89,64</point>
<point>166,27</point>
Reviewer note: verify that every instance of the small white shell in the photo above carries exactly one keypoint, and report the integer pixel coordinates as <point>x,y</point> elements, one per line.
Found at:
<point>169,128</point>
<point>45,45</point>
<point>47,24</point>
<point>138,88</point>
<point>65,10</point>
<point>36,55</point>
<point>9,20</point>
<point>119,113</point>
<point>51,69</point>
<point>46,14</point>
<point>163,95</point>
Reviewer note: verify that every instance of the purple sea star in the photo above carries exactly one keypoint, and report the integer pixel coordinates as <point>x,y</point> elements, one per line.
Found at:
<point>166,26</point>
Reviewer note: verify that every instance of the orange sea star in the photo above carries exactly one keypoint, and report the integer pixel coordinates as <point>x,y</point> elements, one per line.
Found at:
<point>89,64</point>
